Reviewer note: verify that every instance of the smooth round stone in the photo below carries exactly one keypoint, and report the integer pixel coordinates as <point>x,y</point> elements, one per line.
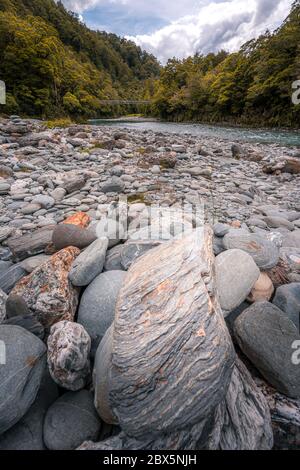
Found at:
<point>71,420</point>
<point>23,362</point>
<point>236,274</point>
<point>44,201</point>
<point>97,305</point>
<point>30,209</point>
<point>27,434</point>
<point>267,337</point>
<point>221,229</point>
<point>262,290</point>
<point>253,221</point>
<point>65,235</point>
<point>4,188</point>
<point>89,263</point>
<point>263,251</point>
<point>287,298</point>
<point>279,222</point>
<point>113,185</point>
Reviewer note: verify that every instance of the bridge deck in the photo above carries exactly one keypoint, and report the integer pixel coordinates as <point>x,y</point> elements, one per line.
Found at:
<point>125,101</point>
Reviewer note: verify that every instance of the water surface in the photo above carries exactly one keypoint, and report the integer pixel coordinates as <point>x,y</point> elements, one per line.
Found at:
<point>235,134</point>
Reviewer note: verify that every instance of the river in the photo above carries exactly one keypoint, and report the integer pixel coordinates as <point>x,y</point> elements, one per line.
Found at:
<point>280,137</point>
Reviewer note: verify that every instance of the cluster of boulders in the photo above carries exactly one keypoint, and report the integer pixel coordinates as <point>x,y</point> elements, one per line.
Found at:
<point>125,324</point>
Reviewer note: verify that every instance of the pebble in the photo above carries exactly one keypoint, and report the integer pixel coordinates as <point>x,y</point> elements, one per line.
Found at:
<point>68,355</point>
<point>71,420</point>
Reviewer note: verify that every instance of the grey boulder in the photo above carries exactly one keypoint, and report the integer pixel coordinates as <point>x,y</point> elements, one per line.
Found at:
<point>71,420</point>
<point>268,338</point>
<point>89,263</point>
<point>97,306</point>
<point>27,434</point>
<point>236,274</point>
<point>65,235</point>
<point>23,362</point>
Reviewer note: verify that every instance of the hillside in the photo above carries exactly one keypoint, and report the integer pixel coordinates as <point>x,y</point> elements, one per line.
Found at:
<point>54,65</point>
<point>252,86</point>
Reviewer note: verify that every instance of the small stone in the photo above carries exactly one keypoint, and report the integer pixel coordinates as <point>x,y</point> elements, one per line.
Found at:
<point>236,274</point>
<point>5,232</point>
<point>30,209</point>
<point>97,306</point>
<point>89,263</point>
<point>48,292</point>
<point>70,421</point>
<point>23,362</point>
<point>66,235</point>
<point>266,336</point>
<point>262,290</point>
<point>287,298</point>
<point>220,230</point>
<point>80,219</point>
<point>113,185</point>
<point>11,277</point>
<point>264,252</point>
<point>45,201</point>
<point>4,188</point>
<point>58,194</point>
<point>68,355</point>
<point>278,222</point>
<point>74,184</point>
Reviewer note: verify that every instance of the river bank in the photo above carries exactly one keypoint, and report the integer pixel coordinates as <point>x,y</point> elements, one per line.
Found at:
<point>102,270</point>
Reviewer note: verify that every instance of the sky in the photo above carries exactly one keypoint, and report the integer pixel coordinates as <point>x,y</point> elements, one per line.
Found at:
<point>179,28</point>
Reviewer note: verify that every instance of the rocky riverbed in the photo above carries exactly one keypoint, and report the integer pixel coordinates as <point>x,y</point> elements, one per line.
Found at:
<point>150,290</point>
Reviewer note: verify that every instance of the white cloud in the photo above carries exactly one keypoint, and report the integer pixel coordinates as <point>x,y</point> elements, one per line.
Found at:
<point>227,24</point>
<point>194,25</point>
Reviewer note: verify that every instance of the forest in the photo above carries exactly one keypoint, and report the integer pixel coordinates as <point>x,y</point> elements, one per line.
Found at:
<point>252,86</point>
<point>53,65</point>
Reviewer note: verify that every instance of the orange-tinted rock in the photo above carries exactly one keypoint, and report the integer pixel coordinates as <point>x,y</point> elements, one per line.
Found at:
<point>48,292</point>
<point>236,224</point>
<point>262,290</point>
<point>81,219</point>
